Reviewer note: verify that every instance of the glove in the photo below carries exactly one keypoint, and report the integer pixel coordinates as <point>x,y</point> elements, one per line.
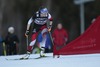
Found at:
<point>49,28</point>
<point>27,33</point>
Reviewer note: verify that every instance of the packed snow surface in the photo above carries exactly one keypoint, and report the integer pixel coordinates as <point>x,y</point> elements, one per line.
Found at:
<point>86,60</point>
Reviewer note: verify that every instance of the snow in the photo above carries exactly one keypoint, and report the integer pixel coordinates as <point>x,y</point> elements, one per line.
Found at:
<point>87,60</point>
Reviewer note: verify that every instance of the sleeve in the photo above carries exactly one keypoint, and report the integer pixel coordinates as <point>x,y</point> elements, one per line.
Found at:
<point>30,20</point>
<point>49,17</point>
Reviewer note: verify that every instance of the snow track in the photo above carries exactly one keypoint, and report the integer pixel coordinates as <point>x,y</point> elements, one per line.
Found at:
<point>88,60</point>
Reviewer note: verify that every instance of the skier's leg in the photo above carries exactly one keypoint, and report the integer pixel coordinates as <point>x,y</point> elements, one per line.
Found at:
<point>43,42</point>
<point>42,52</point>
<point>30,47</point>
<point>42,47</point>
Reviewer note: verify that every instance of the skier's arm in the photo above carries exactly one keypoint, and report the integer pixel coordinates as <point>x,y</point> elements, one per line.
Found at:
<point>29,23</point>
<point>28,26</point>
<point>51,21</point>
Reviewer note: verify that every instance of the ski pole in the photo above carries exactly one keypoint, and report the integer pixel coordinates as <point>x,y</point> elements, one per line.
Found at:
<point>4,49</point>
<point>51,37</point>
<point>27,55</point>
<point>27,38</point>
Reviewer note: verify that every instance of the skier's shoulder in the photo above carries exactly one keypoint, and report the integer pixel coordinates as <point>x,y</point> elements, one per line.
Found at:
<point>50,17</point>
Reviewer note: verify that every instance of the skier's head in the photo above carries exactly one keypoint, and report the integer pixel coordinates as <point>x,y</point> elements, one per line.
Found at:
<point>59,26</point>
<point>11,30</point>
<point>43,12</point>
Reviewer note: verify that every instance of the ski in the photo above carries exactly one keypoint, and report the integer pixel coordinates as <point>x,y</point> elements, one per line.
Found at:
<point>41,57</point>
<point>27,58</point>
<point>19,59</point>
<point>22,58</point>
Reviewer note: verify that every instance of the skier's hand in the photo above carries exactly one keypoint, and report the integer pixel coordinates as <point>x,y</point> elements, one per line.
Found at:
<point>27,33</point>
<point>49,28</point>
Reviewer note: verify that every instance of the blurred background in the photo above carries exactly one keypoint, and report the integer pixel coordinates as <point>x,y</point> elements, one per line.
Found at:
<point>16,13</point>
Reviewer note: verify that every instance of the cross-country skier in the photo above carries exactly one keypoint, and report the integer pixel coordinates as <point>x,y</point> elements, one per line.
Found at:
<point>40,20</point>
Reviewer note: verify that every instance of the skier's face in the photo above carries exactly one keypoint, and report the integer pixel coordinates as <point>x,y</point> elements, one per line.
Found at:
<point>43,14</point>
<point>59,26</point>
